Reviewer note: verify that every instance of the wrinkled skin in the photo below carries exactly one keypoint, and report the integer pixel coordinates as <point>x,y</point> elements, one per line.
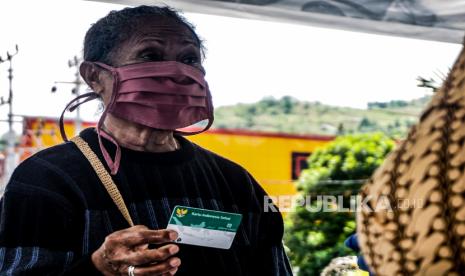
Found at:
<point>130,247</point>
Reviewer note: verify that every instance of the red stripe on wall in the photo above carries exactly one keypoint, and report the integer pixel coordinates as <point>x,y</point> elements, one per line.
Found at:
<point>242,132</point>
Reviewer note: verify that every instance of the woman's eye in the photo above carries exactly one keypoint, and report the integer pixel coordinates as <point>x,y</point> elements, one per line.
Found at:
<point>151,57</point>
<point>190,60</point>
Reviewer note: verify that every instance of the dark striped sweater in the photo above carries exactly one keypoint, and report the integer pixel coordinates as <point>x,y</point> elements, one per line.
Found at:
<point>55,212</point>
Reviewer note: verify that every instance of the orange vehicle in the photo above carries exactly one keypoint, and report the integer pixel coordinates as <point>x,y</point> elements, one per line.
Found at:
<point>274,159</point>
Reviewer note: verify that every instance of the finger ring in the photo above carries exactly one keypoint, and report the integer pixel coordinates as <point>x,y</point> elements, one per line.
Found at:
<point>131,270</point>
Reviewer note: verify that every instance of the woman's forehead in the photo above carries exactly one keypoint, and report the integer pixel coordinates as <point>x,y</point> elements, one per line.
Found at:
<point>169,33</point>
<point>161,29</point>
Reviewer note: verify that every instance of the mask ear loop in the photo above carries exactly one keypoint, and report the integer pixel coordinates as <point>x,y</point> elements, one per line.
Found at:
<point>70,107</point>
<point>113,164</point>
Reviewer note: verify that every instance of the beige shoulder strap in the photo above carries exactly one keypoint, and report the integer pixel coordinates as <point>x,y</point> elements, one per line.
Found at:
<point>104,176</point>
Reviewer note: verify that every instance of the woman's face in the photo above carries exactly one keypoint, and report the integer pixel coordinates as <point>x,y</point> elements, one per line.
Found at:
<point>153,40</point>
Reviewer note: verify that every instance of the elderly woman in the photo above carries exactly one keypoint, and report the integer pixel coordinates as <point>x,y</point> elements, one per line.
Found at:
<point>144,63</point>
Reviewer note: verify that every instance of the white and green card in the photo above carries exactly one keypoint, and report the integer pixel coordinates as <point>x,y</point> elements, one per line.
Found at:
<point>204,227</point>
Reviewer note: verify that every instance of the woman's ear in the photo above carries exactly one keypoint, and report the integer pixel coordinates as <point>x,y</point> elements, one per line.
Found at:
<point>91,75</point>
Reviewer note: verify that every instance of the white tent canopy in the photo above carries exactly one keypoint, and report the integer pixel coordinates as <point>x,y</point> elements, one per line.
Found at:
<point>439,20</point>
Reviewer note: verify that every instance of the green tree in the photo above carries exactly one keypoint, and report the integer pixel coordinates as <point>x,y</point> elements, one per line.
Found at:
<point>316,237</point>
<point>288,103</point>
<point>340,129</point>
<point>366,125</point>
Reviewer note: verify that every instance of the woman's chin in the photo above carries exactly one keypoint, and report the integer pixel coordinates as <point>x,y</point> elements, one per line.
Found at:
<point>139,146</point>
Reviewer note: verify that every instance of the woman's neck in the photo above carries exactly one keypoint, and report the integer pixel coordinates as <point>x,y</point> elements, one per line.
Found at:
<point>140,138</point>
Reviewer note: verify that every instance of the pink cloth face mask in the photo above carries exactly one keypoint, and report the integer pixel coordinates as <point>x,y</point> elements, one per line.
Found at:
<point>165,95</point>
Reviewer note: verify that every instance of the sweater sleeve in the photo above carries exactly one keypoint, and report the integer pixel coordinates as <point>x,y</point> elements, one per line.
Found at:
<point>271,256</point>
<point>39,226</point>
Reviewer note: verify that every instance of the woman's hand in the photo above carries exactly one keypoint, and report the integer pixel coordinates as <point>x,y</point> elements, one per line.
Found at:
<point>129,247</point>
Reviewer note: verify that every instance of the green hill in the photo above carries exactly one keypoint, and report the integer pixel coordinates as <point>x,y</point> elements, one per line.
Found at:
<point>293,116</point>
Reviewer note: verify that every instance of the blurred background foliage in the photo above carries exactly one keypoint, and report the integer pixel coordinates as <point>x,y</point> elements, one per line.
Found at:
<point>339,169</point>
<point>291,115</point>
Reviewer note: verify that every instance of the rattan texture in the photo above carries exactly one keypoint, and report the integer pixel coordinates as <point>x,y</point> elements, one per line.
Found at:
<point>421,230</point>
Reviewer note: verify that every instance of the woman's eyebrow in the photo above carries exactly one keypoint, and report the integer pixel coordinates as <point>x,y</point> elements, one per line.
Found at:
<point>150,38</point>
<point>160,39</point>
<point>189,41</point>
<point>189,46</point>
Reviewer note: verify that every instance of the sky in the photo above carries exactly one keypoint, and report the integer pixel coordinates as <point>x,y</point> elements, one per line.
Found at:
<point>246,60</point>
